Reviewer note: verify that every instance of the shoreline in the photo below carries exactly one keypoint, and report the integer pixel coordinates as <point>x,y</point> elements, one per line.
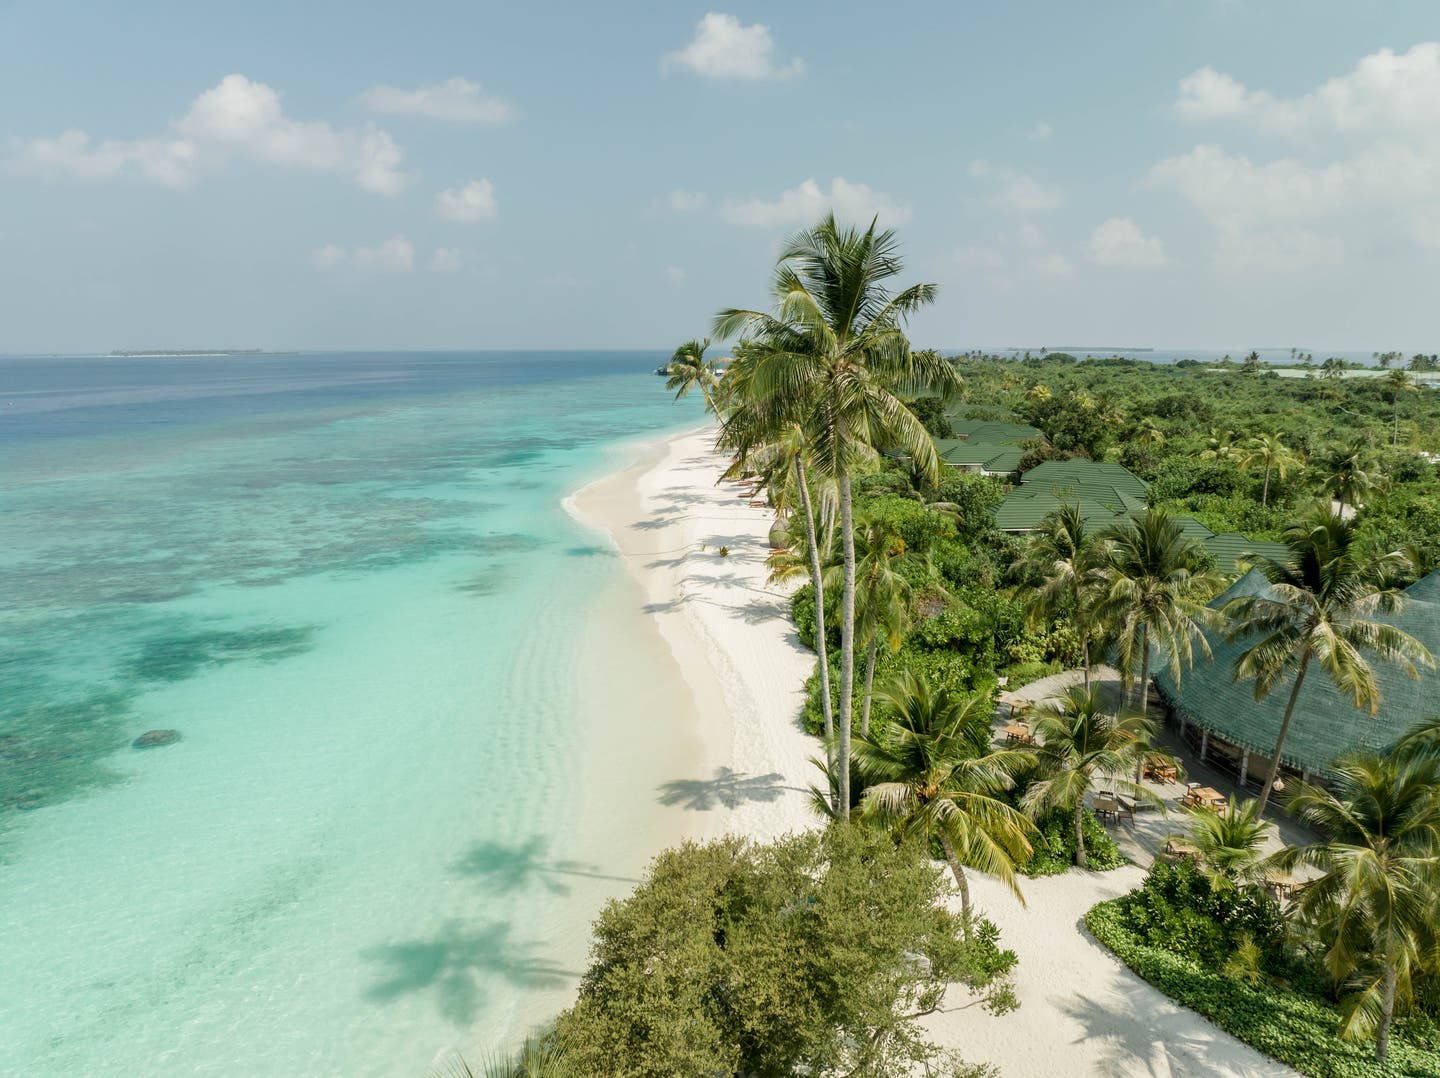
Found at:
<point>727,633</point>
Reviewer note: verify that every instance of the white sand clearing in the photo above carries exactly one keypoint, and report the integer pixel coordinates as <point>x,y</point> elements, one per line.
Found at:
<point>729,631</point>
<point>1082,1012</point>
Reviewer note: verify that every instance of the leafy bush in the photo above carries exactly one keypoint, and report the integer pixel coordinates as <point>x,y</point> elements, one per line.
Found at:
<point>813,954</point>
<point>1178,909</point>
<point>1181,475</point>
<point>1291,1026</point>
<point>1055,847</point>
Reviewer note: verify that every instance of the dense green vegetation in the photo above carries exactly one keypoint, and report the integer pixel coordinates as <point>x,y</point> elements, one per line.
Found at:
<point>815,954</point>
<point>1198,433</point>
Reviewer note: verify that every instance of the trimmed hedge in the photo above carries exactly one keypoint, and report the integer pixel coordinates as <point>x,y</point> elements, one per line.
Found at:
<point>1295,1029</point>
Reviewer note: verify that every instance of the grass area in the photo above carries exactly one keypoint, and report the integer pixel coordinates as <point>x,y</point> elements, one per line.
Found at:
<point>1286,1024</point>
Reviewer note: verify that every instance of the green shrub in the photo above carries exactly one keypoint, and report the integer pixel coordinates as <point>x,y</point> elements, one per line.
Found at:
<point>1293,1027</point>
<point>813,954</point>
<point>1178,909</point>
<point>1055,846</point>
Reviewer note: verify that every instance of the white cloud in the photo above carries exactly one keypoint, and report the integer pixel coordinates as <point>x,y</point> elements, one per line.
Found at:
<point>473,202</point>
<point>169,161</point>
<point>1385,92</point>
<point>1231,188</point>
<point>1273,251</point>
<point>675,275</point>
<point>1022,195</point>
<point>808,202</point>
<point>979,168</point>
<point>446,260</point>
<point>327,257</point>
<point>1361,154</point>
<point>234,118</point>
<point>682,201</point>
<point>724,48</point>
<point>1119,243</point>
<point>1208,94</point>
<point>1030,236</point>
<point>395,255</point>
<point>1051,265</point>
<point>1040,131</point>
<point>456,100</point>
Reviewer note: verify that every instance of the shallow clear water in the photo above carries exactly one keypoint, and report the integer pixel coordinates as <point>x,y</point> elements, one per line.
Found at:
<point>348,582</point>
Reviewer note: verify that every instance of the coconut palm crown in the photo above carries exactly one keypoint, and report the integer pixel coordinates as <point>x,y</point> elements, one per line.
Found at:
<point>932,772</point>
<point>1320,609</point>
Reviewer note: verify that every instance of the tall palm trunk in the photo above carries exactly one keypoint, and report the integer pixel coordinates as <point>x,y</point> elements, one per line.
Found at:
<point>1144,692</point>
<point>1387,1013</point>
<point>1085,657</point>
<point>1081,858</point>
<point>847,642</point>
<point>821,645</point>
<point>1395,437</point>
<point>869,681</point>
<point>1284,729</point>
<point>959,874</point>
<point>1265,490</point>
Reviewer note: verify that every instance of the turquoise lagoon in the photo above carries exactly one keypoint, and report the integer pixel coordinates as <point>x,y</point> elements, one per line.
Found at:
<point>348,581</point>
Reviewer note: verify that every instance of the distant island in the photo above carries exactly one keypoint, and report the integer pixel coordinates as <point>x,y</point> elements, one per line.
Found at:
<point>145,353</point>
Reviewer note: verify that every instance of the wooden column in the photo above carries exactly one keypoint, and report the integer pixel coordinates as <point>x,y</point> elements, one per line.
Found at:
<point>1244,767</point>
<point>1204,744</point>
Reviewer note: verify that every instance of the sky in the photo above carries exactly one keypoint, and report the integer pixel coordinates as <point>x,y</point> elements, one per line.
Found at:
<point>1218,174</point>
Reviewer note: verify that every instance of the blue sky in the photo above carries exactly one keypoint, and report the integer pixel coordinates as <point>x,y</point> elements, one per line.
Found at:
<point>1218,174</point>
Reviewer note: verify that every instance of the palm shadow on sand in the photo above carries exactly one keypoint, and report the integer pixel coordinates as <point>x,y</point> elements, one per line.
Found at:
<point>727,789</point>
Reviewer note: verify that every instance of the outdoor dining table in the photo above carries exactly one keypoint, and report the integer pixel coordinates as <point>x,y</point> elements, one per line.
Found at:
<point>1211,798</point>
<point>1016,732</point>
<point>1161,772</point>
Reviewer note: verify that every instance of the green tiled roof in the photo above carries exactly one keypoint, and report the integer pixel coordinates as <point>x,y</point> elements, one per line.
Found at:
<point>1107,494</point>
<point>992,446</point>
<point>1326,723</point>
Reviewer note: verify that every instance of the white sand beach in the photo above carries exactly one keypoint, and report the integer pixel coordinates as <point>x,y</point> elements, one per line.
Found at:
<point>729,632</point>
<point>1082,1012</point>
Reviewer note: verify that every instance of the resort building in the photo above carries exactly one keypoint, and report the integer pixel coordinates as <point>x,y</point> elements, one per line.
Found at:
<point>986,446</point>
<point>1107,494</point>
<point>1235,732</point>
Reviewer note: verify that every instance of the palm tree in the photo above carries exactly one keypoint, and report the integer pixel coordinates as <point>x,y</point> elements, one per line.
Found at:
<point>836,351</point>
<point>1230,843</point>
<point>1319,609</point>
<point>1270,451</point>
<point>1220,445</point>
<point>768,431</point>
<point>1080,741</point>
<point>1156,584</point>
<point>689,369</point>
<point>1332,368</point>
<point>1395,383</point>
<point>1252,363</point>
<point>1351,472</point>
<point>1375,902</point>
<point>1071,560</point>
<point>1148,432</point>
<point>882,597</point>
<point>932,773</point>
